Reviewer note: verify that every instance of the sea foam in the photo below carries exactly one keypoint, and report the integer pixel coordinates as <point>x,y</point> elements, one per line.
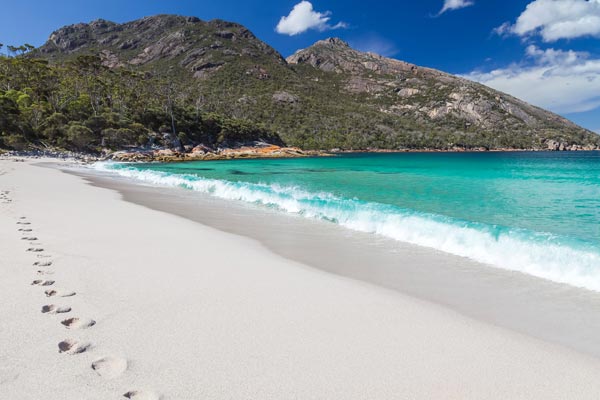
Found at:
<point>543,255</point>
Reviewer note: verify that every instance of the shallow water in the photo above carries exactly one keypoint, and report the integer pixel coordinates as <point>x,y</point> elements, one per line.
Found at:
<point>537,213</point>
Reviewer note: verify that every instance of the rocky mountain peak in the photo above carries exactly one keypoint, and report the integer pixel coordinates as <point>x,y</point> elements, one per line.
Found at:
<point>201,47</point>
<point>335,55</point>
<point>101,24</point>
<point>332,42</point>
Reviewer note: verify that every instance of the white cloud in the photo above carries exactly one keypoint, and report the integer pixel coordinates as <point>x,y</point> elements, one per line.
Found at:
<point>303,17</point>
<point>503,30</point>
<point>556,19</point>
<point>553,57</point>
<point>561,81</point>
<point>455,5</point>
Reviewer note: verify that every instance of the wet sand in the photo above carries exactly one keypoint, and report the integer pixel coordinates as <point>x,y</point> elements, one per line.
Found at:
<point>547,310</point>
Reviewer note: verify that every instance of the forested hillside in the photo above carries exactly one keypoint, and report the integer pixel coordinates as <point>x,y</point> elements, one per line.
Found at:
<point>82,105</point>
<point>178,82</point>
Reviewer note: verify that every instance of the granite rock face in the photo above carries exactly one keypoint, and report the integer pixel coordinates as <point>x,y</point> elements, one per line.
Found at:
<point>426,92</point>
<point>202,153</point>
<point>193,43</point>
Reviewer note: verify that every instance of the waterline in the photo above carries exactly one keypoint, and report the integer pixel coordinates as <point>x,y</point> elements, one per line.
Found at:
<point>545,255</point>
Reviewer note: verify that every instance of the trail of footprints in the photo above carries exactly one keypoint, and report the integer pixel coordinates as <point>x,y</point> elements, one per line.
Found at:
<point>4,198</point>
<point>108,367</point>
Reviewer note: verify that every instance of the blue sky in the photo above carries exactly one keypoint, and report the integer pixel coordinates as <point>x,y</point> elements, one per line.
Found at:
<point>544,51</point>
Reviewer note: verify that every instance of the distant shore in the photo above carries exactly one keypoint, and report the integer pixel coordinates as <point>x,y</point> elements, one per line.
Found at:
<point>115,298</point>
<point>244,152</point>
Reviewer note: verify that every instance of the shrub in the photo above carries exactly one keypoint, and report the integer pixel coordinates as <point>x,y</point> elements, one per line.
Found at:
<point>81,137</point>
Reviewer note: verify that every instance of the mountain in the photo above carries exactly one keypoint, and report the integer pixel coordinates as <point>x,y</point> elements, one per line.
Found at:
<point>423,94</point>
<point>161,43</point>
<point>326,96</point>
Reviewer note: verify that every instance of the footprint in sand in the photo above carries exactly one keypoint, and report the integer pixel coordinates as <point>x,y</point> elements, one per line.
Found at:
<point>42,263</point>
<point>40,282</point>
<point>59,293</point>
<point>35,249</point>
<point>141,395</point>
<point>54,309</point>
<point>109,367</point>
<point>42,272</point>
<point>78,323</point>
<point>70,346</point>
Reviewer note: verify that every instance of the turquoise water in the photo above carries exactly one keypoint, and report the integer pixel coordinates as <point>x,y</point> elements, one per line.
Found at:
<point>537,213</point>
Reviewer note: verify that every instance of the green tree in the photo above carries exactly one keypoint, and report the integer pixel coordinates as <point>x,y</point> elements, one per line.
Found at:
<point>81,137</point>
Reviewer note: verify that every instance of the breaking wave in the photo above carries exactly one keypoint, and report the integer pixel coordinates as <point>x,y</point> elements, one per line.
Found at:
<point>544,255</point>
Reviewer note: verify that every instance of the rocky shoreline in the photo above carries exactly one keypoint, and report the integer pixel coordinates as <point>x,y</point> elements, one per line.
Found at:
<point>204,153</point>
<point>551,145</point>
<point>159,154</point>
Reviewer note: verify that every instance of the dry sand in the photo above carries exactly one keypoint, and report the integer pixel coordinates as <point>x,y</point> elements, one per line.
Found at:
<point>164,307</point>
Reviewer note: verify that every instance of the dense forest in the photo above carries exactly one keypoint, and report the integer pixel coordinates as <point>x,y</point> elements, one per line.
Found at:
<point>85,106</point>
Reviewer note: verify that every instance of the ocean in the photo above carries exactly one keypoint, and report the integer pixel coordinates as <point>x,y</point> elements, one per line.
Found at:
<point>532,212</point>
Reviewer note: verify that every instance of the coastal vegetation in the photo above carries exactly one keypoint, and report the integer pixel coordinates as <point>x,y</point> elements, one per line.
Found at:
<point>84,106</point>
<point>178,82</point>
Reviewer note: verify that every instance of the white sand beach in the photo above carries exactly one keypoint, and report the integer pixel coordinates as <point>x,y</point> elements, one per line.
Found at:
<point>156,306</point>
